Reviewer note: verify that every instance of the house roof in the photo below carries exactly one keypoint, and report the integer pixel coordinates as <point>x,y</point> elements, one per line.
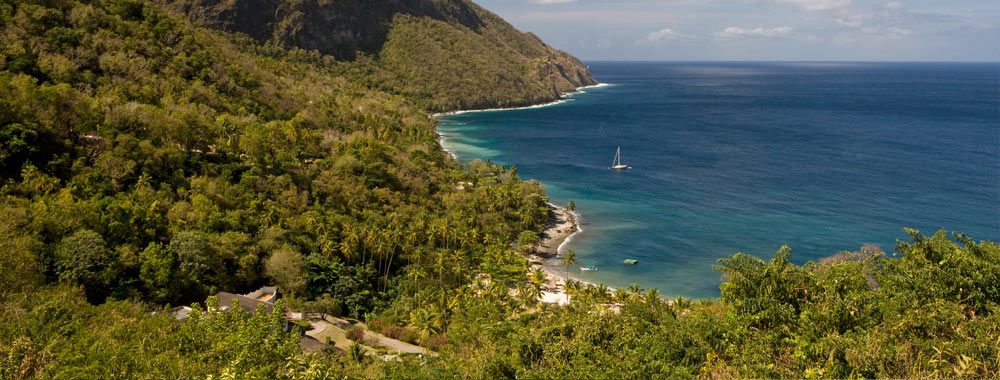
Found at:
<point>310,344</point>
<point>180,313</point>
<point>246,303</point>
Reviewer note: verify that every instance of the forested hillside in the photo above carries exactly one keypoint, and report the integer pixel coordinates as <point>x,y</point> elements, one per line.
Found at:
<point>148,162</point>
<point>144,158</point>
<point>444,54</point>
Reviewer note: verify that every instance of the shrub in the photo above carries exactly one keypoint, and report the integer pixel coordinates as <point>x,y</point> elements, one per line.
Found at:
<point>399,333</point>
<point>408,336</point>
<point>355,333</point>
<point>436,343</point>
<point>372,342</point>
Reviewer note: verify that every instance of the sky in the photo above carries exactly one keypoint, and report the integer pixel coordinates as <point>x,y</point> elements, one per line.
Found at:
<point>765,30</point>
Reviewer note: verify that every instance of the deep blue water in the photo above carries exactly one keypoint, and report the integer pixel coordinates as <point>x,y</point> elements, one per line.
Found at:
<point>746,157</point>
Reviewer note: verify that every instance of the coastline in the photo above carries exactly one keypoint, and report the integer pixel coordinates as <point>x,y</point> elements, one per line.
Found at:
<point>560,230</point>
<point>563,98</point>
<point>546,255</point>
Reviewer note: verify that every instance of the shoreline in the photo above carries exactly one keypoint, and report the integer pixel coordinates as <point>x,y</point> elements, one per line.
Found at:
<point>560,230</point>
<point>546,255</point>
<point>563,98</point>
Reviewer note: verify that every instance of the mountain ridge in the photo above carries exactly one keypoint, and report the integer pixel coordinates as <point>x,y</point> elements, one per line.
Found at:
<point>446,54</point>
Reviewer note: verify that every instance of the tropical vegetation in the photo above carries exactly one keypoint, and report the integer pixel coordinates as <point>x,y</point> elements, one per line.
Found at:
<point>147,161</point>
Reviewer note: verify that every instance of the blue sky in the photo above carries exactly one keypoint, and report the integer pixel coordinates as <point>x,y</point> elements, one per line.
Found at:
<point>812,30</point>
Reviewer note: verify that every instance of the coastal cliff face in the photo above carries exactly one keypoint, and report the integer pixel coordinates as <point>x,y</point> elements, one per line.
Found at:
<point>443,54</point>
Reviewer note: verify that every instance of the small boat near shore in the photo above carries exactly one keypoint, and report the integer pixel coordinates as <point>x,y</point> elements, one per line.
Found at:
<point>589,268</point>
<point>631,261</point>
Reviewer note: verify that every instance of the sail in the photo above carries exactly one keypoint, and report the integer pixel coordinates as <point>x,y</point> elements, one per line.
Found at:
<point>617,164</point>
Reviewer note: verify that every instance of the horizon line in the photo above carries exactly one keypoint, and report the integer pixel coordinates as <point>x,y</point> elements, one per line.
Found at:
<point>776,61</point>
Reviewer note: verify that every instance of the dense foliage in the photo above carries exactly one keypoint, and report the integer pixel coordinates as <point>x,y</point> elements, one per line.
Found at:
<point>147,162</point>
<point>930,313</point>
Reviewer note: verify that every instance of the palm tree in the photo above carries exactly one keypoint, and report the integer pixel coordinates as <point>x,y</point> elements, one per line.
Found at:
<point>473,235</point>
<point>456,258</point>
<point>681,304</point>
<point>603,292</point>
<point>593,293</point>
<point>444,231</point>
<point>416,273</point>
<point>497,290</point>
<point>381,247</point>
<point>535,290</point>
<point>538,277</point>
<point>621,295</point>
<point>356,352</point>
<point>439,314</point>
<point>423,322</point>
<point>440,264</point>
<point>367,243</point>
<point>528,294</point>
<point>652,295</point>
<point>348,245</point>
<point>634,289</point>
<point>572,287</point>
<point>570,259</point>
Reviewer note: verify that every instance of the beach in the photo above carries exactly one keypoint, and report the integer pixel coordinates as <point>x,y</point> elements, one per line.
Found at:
<point>546,257</point>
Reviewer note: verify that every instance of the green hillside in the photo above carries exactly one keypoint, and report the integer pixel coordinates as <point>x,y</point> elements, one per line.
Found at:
<point>147,162</point>
<point>444,54</point>
<point>147,159</point>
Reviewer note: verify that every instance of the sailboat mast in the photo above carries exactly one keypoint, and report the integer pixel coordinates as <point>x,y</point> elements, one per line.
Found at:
<point>617,164</point>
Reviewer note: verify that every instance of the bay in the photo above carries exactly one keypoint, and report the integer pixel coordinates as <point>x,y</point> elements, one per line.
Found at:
<point>747,157</point>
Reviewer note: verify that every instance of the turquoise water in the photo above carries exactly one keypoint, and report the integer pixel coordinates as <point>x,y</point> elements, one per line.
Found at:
<point>746,157</point>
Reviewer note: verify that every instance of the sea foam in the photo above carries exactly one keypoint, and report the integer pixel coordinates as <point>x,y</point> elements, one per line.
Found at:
<point>564,98</point>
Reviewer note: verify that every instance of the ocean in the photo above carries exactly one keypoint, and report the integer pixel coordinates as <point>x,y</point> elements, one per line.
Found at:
<point>747,157</point>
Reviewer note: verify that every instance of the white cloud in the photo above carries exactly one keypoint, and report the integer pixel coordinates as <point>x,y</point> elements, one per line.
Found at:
<point>816,5</point>
<point>883,21</point>
<point>552,1</point>
<point>664,34</point>
<point>733,31</point>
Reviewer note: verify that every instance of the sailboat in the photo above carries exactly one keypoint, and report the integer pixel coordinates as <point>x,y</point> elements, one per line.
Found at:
<point>617,164</point>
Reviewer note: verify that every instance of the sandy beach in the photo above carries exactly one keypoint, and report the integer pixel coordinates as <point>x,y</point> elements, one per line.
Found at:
<point>546,256</point>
